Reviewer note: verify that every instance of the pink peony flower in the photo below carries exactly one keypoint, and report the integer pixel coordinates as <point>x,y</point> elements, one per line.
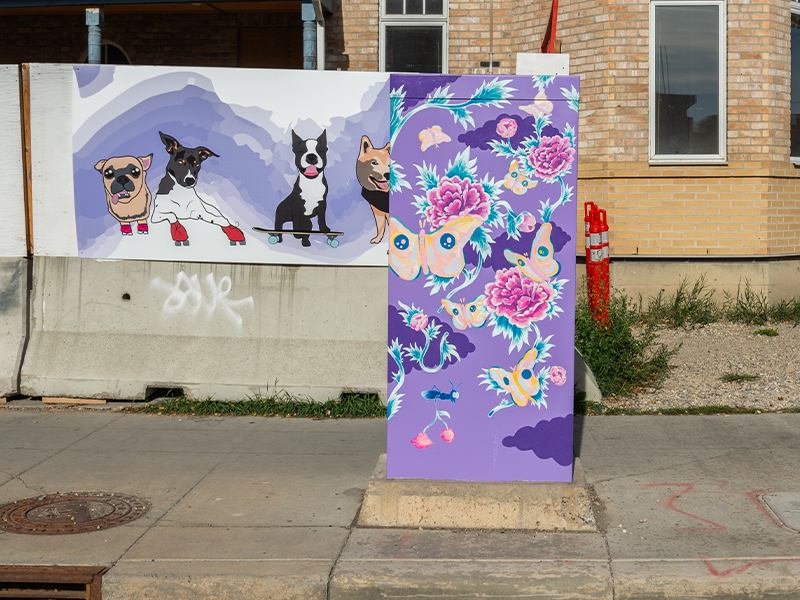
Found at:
<point>448,435</point>
<point>422,441</point>
<point>558,375</point>
<point>506,128</point>
<point>453,198</point>
<point>418,321</point>
<point>518,298</point>
<point>553,156</point>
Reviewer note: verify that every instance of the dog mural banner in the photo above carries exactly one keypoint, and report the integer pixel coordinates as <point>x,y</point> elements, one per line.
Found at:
<point>481,277</point>
<point>230,165</point>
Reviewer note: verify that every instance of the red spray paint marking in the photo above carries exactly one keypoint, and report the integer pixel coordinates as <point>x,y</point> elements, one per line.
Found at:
<point>742,568</point>
<point>687,487</point>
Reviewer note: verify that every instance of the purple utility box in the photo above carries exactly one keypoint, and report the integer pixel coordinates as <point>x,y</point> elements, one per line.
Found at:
<point>482,277</point>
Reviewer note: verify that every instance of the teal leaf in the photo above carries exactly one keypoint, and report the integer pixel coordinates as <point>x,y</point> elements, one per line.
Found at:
<point>503,148</point>
<point>461,116</point>
<point>573,97</point>
<point>428,179</point>
<point>481,243</point>
<point>421,203</point>
<point>437,283</point>
<point>396,99</point>
<point>492,93</point>
<point>542,81</point>
<point>462,166</point>
<point>439,96</point>
<point>397,179</point>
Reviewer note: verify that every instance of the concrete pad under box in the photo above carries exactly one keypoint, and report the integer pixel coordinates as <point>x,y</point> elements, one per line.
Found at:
<point>476,505</point>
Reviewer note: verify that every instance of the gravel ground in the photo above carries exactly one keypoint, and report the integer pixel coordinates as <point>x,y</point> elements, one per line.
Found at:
<point>710,352</point>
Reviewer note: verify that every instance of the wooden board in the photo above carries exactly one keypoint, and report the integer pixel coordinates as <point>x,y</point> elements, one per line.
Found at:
<point>73,401</point>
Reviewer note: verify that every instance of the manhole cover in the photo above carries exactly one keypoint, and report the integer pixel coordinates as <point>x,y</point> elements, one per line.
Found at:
<point>71,512</point>
<point>786,506</point>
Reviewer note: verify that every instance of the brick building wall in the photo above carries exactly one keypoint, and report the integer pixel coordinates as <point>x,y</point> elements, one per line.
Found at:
<point>745,208</point>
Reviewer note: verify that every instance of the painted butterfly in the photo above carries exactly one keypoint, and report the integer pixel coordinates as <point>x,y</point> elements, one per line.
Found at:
<point>432,136</point>
<point>471,314</point>
<point>541,265</point>
<point>540,106</point>
<point>521,383</point>
<point>440,252</point>
<point>516,181</point>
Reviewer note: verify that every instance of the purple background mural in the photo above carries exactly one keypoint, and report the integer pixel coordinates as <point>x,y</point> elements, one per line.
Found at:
<point>481,277</point>
<point>245,117</point>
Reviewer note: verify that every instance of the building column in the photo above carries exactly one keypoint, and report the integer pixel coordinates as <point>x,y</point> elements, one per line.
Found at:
<point>309,36</point>
<point>94,22</point>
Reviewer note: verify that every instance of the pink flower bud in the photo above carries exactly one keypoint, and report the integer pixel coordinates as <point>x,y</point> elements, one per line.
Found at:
<point>558,375</point>
<point>528,222</point>
<point>422,441</point>
<point>506,128</point>
<point>448,435</point>
<point>418,321</point>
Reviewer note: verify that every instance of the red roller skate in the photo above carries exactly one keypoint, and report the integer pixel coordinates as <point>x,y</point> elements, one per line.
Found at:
<point>179,235</point>
<point>234,234</point>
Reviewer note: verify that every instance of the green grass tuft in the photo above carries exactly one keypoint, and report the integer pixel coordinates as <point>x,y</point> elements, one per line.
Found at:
<point>623,356</point>
<point>595,409</point>
<point>767,332</point>
<point>686,308</point>
<point>348,406</point>
<point>737,376</point>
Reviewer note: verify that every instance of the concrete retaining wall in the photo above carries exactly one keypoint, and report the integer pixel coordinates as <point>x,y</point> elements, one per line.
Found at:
<point>113,329</point>
<point>13,264</point>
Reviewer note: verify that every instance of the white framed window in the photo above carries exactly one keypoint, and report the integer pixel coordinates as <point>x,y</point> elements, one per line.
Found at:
<point>795,111</point>
<point>687,81</point>
<point>413,36</point>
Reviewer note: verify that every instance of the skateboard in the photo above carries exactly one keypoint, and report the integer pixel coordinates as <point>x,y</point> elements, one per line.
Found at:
<point>274,233</point>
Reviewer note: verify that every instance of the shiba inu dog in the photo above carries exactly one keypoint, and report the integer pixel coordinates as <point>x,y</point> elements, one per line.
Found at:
<point>372,172</point>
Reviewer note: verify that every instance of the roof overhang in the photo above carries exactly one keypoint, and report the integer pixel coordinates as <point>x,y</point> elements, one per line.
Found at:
<point>325,7</point>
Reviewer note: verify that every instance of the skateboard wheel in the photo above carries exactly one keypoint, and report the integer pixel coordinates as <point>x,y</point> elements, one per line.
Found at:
<point>273,239</point>
<point>333,243</point>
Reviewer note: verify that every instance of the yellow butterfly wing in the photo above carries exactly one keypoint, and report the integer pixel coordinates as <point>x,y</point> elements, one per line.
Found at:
<point>541,265</point>
<point>444,247</point>
<point>524,377</point>
<point>439,136</point>
<point>457,311</point>
<point>426,137</point>
<point>476,312</point>
<point>543,253</point>
<point>516,181</point>
<point>403,250</point>
<point>507,381</point>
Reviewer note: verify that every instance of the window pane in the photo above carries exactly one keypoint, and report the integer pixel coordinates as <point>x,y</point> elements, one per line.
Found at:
<point>434,7</point>
<point>414,49</point>
<point>413,7</point>
<point>394,7</point>
<point>687,79</point>
<point>795,85</point>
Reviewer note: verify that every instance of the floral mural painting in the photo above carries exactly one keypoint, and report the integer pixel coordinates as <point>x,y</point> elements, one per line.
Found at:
<point>481,276</point>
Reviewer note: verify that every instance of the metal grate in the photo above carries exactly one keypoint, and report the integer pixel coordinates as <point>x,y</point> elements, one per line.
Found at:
<point>51,583</point>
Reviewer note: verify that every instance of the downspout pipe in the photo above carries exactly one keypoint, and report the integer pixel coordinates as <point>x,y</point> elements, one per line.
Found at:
<point>94,22</point>
<point>309,18</point>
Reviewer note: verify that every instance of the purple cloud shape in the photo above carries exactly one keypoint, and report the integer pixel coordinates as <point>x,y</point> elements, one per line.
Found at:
<point>417,88</point>
<point>399,331</point>
<point>548,439</point>
<point>526,127</point>
<point>498,261</point>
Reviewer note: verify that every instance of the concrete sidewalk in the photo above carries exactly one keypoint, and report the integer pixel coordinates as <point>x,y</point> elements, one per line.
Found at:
<point>250,507</point>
